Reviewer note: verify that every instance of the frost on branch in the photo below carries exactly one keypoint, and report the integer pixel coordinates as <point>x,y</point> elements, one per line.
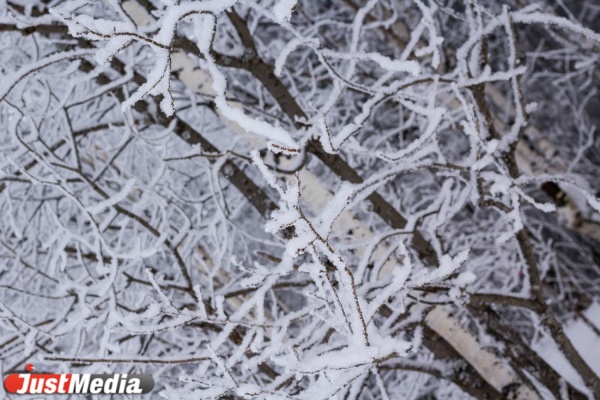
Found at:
<point>303,199</point>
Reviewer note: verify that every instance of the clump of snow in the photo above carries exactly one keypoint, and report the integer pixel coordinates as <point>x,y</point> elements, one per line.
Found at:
<point>283,9</point>
<point>531,107</point>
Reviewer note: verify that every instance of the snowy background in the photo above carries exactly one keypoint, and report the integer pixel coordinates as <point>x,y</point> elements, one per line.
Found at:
<point>382,199</point>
